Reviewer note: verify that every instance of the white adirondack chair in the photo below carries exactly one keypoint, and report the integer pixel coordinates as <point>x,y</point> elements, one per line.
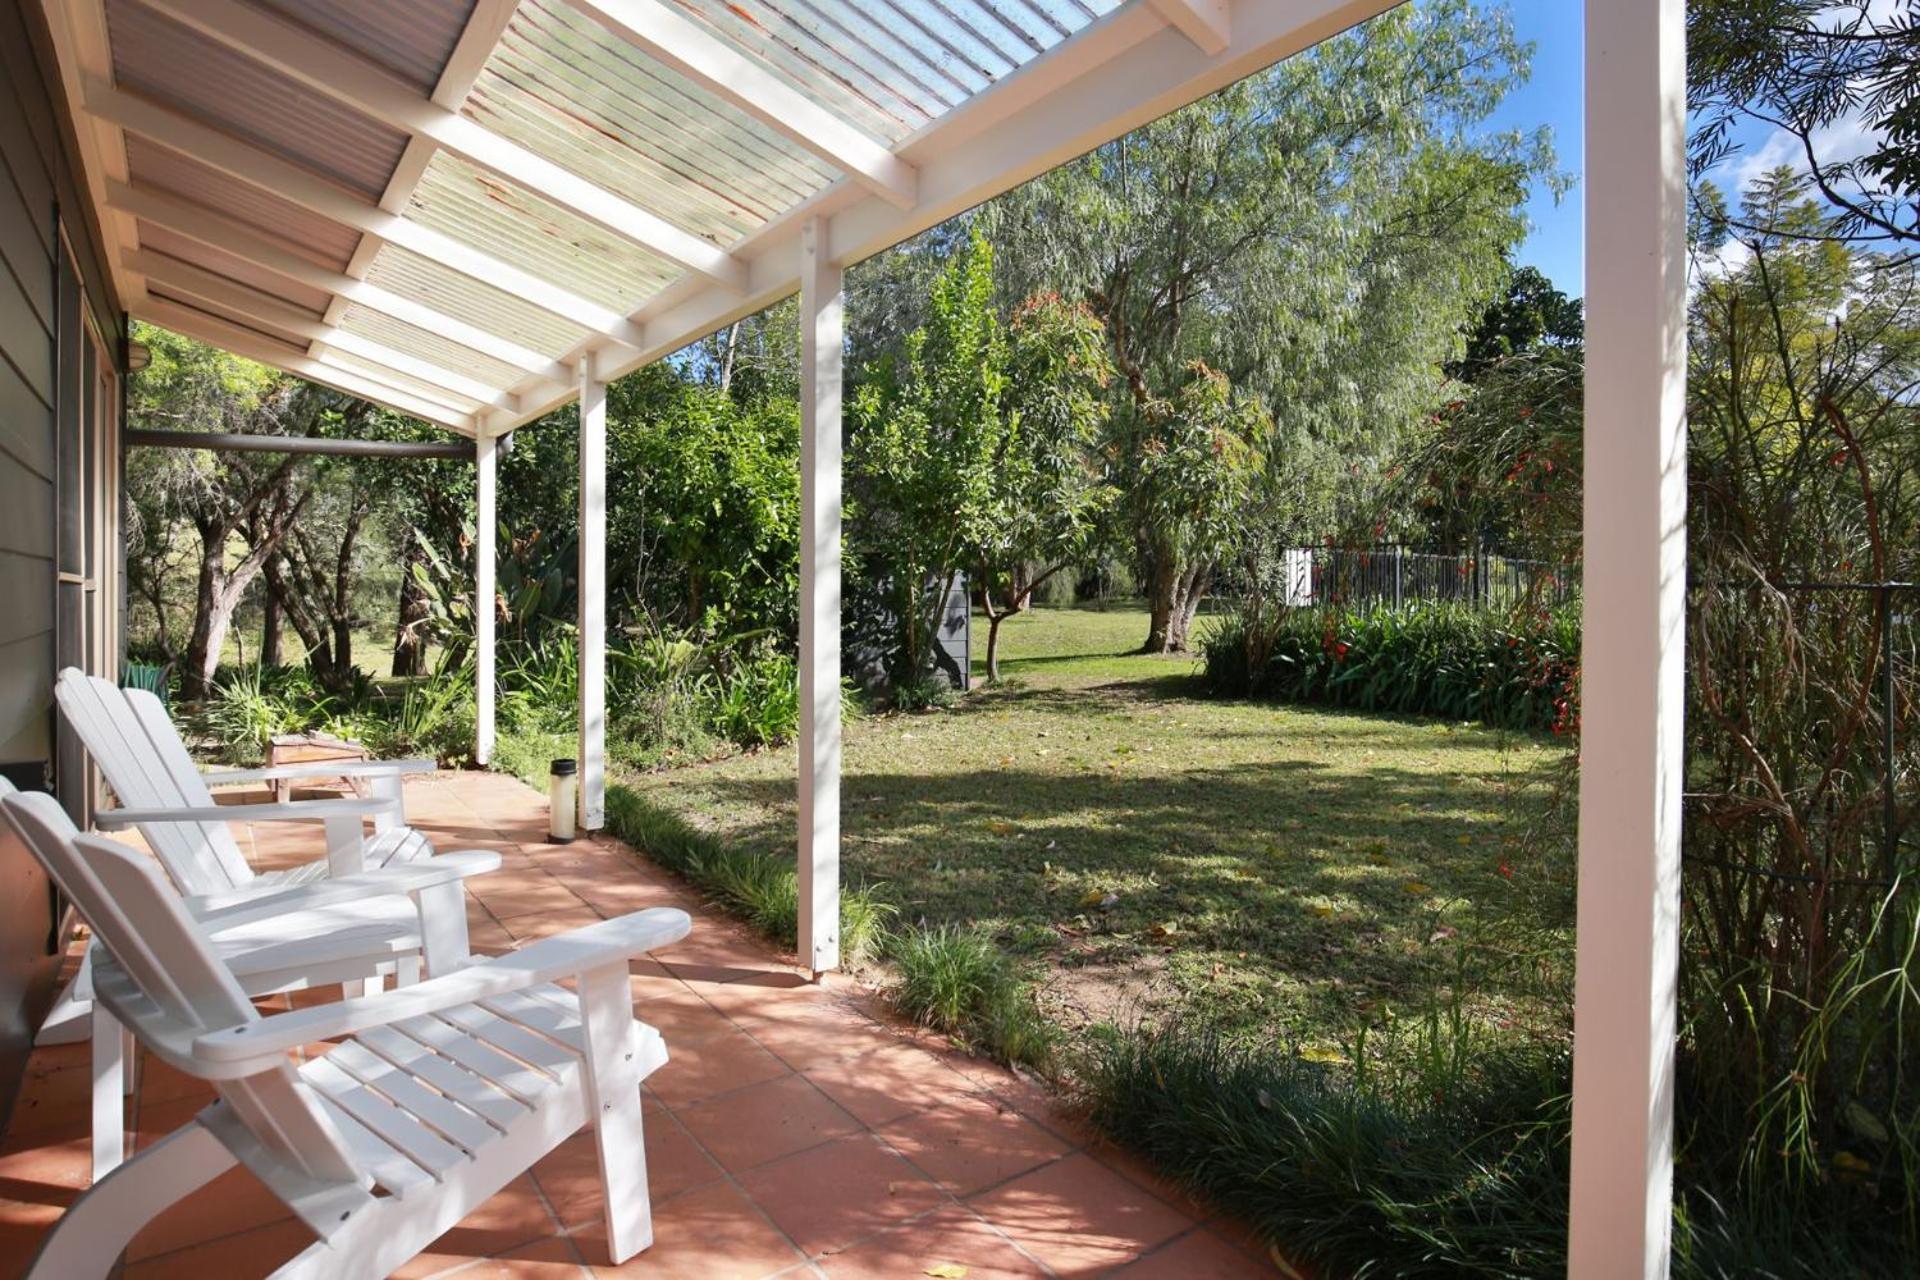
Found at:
<point>130,736</point>
<point>343,930</point>
<point>388,906</point>
<point>447,1091</point>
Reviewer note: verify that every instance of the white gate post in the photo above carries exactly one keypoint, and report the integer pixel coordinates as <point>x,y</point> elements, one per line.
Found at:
<point>484,541</point>
<point>592,580</point>
<point>822,303</point>
<point>1632,674</point>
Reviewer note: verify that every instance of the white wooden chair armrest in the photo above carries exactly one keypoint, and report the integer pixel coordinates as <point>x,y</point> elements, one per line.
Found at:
<point>611,942</point>
<point>319,769</point>
<point>220,910</point>
<point>295,811</point>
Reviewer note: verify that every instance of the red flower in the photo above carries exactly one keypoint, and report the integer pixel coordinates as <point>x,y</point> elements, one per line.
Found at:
<point>1340,651</point>
<point>1506,868</point>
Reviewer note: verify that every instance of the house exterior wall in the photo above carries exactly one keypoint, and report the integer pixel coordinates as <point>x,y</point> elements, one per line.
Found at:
<point>61,338</point>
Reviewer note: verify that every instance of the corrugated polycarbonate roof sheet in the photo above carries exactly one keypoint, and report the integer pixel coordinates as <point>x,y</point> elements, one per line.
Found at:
<point>561,84</point>
<point>162,169</point>
<point>235,268</point>
<point>509,222</point>
<point>268,333</point>
<point>178,68</point>
<point>410,38</point>
<point>455,294</point>
<point>415,341</point>
<point>893,66</point>
<point>400,381</point>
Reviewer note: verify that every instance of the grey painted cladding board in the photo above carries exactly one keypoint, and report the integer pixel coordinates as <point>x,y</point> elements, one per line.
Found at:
<point>38,182</point>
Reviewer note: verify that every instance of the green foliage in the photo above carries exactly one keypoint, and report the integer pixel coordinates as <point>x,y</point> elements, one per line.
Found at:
<point>925,432</point>
<point>1454,661</point>
<point>1530,317</point>
<point>1811,68</point>
<point>958,981</point>
<point>703,531</point>
<point>1358,1177</point>
<point>1500,464</point>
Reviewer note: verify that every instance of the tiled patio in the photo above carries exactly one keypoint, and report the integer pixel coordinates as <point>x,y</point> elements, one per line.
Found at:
<point>797,1130</point>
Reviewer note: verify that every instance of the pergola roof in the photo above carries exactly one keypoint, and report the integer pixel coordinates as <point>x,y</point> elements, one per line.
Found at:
<point>442,205</point>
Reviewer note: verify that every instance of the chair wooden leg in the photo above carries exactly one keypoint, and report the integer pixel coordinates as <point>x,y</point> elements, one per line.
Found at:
<point>109,1092</point>
<point>70,1021</point>
<point>91,1236</point>
<point>443,928</point>
<point>613,1094</point>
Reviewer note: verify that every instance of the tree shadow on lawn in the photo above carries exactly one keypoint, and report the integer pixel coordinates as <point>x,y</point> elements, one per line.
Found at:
<point>1318,886</point>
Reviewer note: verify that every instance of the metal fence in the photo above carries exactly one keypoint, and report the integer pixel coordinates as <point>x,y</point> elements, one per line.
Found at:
<point>1392,575</point>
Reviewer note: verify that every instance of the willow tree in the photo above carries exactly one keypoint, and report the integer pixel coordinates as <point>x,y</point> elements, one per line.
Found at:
<point>1318,234</point>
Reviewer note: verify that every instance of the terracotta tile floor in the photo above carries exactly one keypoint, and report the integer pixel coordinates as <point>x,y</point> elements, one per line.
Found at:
<point>797,1131</point>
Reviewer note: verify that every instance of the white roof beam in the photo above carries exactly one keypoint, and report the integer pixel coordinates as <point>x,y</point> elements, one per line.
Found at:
<point>1121,72</point>
<point>197,222</point>
<point>324,66</point>
<point>694,52</point>
<point>289,181</point>
<point>1208,23</point>
<point>243,342</point>
<point>208,286</point>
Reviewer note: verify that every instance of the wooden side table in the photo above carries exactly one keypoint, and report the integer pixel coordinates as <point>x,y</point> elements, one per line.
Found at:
<point>313,748</point>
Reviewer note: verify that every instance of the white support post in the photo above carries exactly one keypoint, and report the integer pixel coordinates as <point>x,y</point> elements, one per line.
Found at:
<point>822,303</point>
<point>485,541</point>
<point>1632,670</point>
<point>593,595</point>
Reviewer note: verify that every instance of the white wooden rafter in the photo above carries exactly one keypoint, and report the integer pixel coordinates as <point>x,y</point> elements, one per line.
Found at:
<point>324,66</point>
<point>199,223</point>
<point>271,173</point>
<point>1120,72</point>
<point>477,39</point>
<point>1208,23</point>
<point>255,346</point>
<point>208,286</point>
<point>663,34</point>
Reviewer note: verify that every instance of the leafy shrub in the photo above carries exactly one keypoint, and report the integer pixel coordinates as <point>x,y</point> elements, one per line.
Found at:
<point>1514,671</point>
<point>960,982</point>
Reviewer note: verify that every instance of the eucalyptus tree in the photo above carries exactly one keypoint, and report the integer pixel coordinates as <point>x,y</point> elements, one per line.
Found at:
<point>1318,235</point>
<point>226,498</point>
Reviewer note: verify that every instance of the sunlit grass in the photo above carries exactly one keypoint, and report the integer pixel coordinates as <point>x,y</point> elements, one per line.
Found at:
<point>1285,869</point>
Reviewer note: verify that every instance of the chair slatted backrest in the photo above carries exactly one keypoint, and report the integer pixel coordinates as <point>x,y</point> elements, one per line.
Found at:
<point>147,765</point>
<point>164,981</point>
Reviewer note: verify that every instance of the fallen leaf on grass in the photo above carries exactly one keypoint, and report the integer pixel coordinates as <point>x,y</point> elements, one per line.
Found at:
<point>1000,827</point>
<point>1164,930</point>
<point>1417,887</point>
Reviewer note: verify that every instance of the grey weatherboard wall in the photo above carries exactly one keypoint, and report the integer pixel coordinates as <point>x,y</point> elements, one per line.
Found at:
<point>37,345</point>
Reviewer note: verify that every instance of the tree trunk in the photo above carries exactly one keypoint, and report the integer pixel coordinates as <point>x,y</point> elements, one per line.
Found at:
<point>410,640</point>
<point>270,630</point>
<point>1174,593</point>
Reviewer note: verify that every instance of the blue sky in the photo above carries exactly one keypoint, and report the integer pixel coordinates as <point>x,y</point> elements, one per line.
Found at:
<point>1552,97</point>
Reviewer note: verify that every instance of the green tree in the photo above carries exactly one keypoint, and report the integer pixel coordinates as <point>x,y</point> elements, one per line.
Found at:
<point>1048,498</point>
<point>1810,69</point>
<point>1319,235</point>
<point>1530,315</point>
<point>925,429</point>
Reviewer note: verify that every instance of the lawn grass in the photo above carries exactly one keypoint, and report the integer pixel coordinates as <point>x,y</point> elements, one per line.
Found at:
<point>1284,869</point>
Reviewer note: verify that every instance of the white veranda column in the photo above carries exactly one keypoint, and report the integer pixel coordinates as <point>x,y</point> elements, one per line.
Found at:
<point>1632,682</point>
<point>593,595</point>
<point>485,540</point>
<point>822,303</point>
